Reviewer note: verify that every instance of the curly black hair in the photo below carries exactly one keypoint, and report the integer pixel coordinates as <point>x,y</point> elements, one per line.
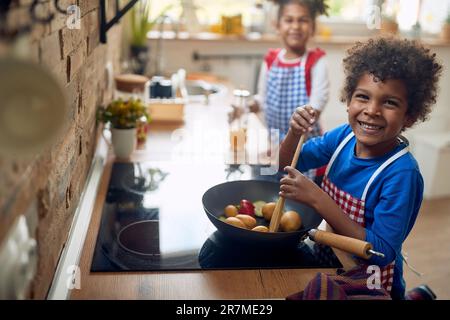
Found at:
<point>392,58</point>
<point>315,7</point>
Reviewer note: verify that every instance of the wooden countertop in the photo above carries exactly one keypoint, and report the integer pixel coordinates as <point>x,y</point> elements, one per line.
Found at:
<point>211,284</point>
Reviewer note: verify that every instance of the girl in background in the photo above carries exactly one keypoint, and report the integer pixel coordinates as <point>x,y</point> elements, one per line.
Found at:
<point>294,75</point>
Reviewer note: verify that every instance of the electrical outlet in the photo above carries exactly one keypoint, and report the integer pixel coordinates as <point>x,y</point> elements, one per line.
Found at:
<point>18,259</point>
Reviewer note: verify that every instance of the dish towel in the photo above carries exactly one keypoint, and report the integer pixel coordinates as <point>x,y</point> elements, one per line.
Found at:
<point>349,285</point>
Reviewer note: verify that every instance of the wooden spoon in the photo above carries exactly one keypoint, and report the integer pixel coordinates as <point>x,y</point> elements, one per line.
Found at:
<point>277,212</point>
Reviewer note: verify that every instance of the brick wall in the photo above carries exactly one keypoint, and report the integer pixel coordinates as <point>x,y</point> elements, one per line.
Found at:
<point>52,182</point>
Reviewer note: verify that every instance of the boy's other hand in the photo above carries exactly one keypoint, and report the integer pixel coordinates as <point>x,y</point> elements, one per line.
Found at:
<point>236,113</point>
<point>254,106</point>
<point>297,187</point>
<point>302,120</point>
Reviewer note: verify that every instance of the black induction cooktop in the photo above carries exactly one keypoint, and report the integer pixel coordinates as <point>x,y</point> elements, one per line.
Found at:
<point>153,219</point>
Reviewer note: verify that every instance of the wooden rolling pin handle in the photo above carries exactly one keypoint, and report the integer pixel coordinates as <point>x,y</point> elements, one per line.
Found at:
<point>354,246</point>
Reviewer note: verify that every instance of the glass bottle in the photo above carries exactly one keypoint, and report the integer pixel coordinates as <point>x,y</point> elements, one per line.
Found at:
<point>238,127</point>
<point>257,18</point>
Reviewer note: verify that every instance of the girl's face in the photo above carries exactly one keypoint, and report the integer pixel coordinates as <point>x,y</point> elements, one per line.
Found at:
<point>377,115</point>
<point>295,26</point>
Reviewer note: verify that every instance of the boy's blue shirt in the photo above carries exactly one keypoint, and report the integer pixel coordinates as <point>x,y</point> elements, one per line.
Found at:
<point>393,200</point>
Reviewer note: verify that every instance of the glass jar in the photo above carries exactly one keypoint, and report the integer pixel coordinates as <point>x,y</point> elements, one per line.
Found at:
<point>131,86</point>
<point>161,88</point>
<point>238,127</point>
<point>257,18</point>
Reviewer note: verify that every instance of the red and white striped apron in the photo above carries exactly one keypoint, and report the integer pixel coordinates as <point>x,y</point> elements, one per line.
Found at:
<point>355,208</point>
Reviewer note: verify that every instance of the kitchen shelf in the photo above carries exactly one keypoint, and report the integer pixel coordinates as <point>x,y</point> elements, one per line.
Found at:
<point>270,38</point>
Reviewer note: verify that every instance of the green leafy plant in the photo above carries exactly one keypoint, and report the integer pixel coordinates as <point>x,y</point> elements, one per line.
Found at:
<point>447,20</point>
<point>141,23</point>
<point>124,114</point>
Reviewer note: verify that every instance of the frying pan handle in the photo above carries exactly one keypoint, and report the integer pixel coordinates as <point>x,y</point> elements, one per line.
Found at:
<point>357,247</point>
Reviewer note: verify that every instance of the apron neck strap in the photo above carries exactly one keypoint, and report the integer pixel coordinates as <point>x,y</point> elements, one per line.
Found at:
<point>399,154</point>
<point>338,150</point>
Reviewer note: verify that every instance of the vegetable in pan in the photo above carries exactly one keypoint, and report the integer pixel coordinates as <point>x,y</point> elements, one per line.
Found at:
<point>248,215</point>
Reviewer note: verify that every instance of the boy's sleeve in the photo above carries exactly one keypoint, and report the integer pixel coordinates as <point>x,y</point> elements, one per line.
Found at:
<point>395,214</point>
<point>317,151</point>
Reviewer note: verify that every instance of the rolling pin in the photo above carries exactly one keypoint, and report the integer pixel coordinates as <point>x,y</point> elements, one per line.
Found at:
<point>357,247</point>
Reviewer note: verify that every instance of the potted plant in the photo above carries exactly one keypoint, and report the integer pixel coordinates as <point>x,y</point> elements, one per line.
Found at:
<point>389,24</point>
<point>141,24</point>
<point>445,32</point>
<point>124,118</point>
<point>389,11</point>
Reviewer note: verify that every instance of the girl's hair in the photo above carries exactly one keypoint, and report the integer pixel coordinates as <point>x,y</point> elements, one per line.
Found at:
<point>315,7</point>
<point>390,58</point>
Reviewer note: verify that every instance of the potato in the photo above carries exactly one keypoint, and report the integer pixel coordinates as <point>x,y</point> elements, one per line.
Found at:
<point>290,221</point>
<point>236,222</point>
<point>267,210</point>
<point>261,229</point>
<point>231,211</point>
<point>249,221</point>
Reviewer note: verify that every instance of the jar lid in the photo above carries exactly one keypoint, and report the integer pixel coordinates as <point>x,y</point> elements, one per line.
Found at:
<point>241,93</point>
<point>131,82</point>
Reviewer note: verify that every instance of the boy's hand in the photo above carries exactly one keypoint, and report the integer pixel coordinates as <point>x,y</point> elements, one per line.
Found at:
<point>302,120</point>
<point>254,106</point>
<point>236,113</point>
<point>297,187</point>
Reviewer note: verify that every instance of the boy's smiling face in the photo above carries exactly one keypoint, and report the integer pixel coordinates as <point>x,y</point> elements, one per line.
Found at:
<point>377,115</point>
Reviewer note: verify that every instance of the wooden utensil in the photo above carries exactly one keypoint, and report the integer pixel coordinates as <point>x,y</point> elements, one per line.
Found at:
<point>278,211</point>
<point>357,247</point>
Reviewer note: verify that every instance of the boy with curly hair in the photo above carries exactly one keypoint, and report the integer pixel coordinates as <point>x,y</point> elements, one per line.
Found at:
<point>373,188</point>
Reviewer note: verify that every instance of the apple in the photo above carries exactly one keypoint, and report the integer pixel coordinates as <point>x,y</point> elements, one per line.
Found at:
<point>247,207</point>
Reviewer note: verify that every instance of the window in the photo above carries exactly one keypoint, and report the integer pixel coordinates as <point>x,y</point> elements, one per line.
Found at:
<point>431,13</point>
<point>350,10</point>
<point>207,11</point>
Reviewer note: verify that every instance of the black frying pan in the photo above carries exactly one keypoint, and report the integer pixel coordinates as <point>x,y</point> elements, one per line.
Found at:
<point>218,197</point>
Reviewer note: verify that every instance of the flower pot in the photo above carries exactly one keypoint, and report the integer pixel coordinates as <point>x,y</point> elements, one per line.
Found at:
<point>123,141</point>
<point>445,32</point>
<point>389,27</point>
<point>139,58</point>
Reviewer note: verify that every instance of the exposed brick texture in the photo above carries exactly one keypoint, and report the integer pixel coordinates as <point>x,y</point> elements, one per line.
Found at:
<point>54,180</point>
